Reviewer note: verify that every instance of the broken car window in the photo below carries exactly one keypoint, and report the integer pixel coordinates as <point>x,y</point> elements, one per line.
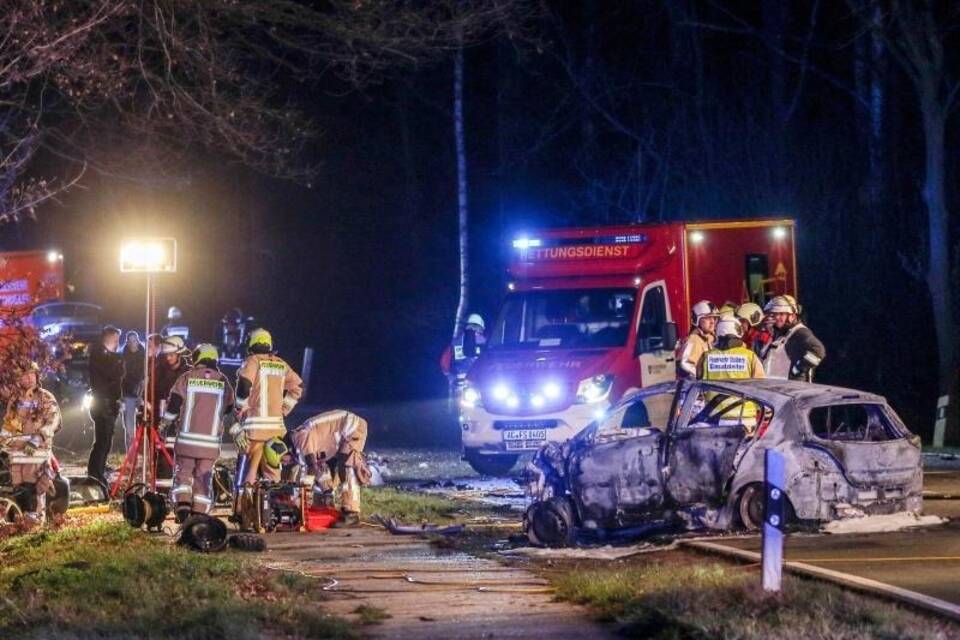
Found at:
<point>719,409</point>
<point>852,423</point>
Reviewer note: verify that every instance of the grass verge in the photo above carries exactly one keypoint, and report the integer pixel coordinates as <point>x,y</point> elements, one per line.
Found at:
<point>679,596</point>
<point>107,580</point>
<point>415,508</point>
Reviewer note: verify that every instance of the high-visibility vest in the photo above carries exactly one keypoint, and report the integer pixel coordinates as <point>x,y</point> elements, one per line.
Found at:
<point>736,363</point>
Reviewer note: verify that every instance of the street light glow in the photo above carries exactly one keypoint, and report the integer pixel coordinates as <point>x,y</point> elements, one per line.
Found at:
<point>148,255</point>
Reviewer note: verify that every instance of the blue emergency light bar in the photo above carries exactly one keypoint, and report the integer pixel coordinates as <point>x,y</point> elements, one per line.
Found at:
<point>523,243</point>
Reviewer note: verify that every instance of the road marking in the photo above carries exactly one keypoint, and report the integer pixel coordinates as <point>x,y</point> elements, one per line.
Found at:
<point>923,601</point>
<point>880,559</point>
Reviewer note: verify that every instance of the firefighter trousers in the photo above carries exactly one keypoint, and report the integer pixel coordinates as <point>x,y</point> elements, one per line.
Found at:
<point>257,467</point>
<point>193,483</point>
<point>341,479</point>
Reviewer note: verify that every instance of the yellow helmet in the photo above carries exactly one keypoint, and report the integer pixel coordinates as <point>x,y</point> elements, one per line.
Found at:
<point>260,338</point>
<point>751,312</point>
<point>205,351</point>
<point>728,308</point>
<point>273,451</point>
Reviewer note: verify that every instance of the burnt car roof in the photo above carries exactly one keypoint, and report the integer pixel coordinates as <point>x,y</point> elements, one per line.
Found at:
<point>775,391</point>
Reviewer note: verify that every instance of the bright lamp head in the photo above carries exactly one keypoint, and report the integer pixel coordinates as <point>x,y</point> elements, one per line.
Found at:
<point>149,255</point>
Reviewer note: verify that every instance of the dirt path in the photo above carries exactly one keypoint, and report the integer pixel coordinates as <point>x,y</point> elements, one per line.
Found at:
<point>428,593</point>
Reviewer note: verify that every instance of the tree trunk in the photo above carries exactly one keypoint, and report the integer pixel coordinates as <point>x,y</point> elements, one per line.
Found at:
<point>462,209</point>
<point>938,264</point>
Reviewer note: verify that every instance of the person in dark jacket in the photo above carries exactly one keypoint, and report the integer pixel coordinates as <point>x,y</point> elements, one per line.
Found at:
<point>106,385</point>
<point>133,367</point>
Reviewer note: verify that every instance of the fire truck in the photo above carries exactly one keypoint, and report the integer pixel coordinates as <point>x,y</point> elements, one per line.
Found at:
<point>28,278</point>
<point>593,313</point>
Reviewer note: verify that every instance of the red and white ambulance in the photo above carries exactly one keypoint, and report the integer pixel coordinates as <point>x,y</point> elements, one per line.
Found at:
<point>592,313</point>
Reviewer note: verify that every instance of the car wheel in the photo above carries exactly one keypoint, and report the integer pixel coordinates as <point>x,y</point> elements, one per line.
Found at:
<point>750,507</point>
<point>490,464</point>
<point>551,523</point>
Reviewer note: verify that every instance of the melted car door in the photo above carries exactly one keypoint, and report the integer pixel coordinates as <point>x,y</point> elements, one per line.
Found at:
<point>702,446</point>
<point>615,479</point>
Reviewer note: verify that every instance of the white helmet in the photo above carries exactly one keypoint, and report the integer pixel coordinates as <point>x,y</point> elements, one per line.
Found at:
<point>751,312</point>
<point>703,309</point>
<point>729,326</point>
<point>174,313</point>
<point>173,344</point>
<point>782,304</point>
<point>475,318</point>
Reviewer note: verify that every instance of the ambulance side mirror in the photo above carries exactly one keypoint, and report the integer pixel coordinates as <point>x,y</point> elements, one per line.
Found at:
<point>669,335</point>
<point>653,338</point>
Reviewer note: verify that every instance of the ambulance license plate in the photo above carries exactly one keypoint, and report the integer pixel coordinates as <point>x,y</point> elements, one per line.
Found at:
<point>524,439</point>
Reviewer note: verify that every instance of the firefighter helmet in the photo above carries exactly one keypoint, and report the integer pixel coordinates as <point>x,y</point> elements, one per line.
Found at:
<point>476,319</point>
<point>751,312</point>
<point>260,338</point>
<point>729,327</point>
<point>782,304</point>
<point>205,351</point>
<point>273,451</point>
<point>727,308</point>
<point>174,313</point>
<point>702,309</point>
<point>173,344</point>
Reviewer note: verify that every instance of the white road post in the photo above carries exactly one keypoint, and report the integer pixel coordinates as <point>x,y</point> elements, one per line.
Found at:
<point>775,478</point>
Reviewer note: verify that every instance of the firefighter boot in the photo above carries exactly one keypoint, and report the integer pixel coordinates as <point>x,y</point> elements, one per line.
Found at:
<point>347,519</point>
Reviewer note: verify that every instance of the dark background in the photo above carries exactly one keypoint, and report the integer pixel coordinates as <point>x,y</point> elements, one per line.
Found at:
<point>603,115</point>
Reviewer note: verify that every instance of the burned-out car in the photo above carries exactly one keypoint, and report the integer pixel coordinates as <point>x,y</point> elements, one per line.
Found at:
<point>693,454</point>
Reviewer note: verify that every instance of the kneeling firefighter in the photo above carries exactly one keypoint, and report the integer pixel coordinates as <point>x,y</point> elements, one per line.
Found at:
<point>267,391</point>
<point>332,443</point>
<point>31,420</point>
<point>201,399</point>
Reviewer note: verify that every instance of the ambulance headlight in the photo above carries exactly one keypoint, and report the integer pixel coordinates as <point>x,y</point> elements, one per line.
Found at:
<point>500,392</point>
<point>552,391</point>
<point>470,397</point>
<point>594,389</point>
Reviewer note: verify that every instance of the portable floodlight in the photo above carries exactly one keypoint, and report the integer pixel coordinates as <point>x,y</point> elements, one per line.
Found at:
<point>148,255</point>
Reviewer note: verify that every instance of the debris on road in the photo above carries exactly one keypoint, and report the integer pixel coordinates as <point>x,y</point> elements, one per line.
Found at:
<point>399,529</point>
<point>882,524</point>
<point>606,552</point>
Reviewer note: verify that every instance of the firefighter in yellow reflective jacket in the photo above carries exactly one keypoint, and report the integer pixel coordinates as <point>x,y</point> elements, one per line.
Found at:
<point>703,318</point>
<point>267,391</point>
<point>29,424</point>
<point>329,443</point>
<point>199,401</point>
<point>731,360</point>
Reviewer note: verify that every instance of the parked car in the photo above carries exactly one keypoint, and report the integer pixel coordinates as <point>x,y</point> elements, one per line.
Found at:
<point>78,320</point>
<point>847,453</point>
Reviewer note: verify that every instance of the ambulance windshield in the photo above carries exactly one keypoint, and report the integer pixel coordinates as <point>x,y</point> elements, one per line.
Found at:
<point>564,319</point>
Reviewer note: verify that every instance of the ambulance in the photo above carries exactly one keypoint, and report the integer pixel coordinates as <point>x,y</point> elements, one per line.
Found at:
<point>593,313</point>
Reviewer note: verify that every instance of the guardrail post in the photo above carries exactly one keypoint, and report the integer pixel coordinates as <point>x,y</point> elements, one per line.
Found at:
<point>775,478</point>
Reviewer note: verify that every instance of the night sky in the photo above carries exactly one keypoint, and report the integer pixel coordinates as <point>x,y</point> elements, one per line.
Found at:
<point>363,265</point>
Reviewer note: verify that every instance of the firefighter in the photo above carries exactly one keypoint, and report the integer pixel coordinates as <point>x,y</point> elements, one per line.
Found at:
<point>199,401</point>
<point>463,352</point>
<point>794,352</point>
<point>730,359</point>
<point>703,317</point>
<point>751,317</point>
<point>330,448</point>
<point>171,364</point>
<point>175,325</point>
<point>267,391</point>
<point>31,420</point>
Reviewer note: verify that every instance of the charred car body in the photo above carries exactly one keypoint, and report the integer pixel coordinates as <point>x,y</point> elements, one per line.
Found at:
<point>847,453</point>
